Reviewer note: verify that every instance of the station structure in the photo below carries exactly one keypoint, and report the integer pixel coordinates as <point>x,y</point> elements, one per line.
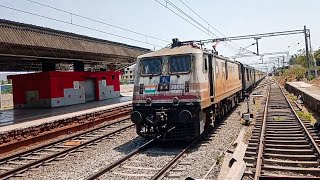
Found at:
<point>68,68</point>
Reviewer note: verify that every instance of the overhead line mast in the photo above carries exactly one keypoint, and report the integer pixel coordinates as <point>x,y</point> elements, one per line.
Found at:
<point>304,31</point>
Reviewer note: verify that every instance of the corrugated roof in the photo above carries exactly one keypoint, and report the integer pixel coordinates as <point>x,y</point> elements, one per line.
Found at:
<point>30,35</point>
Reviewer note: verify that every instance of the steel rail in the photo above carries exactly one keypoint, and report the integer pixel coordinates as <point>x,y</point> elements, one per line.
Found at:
<point>306,134</point>
<point>58,154</point>
<point>142,148</point>
<point>49,133</point>
<point>123,159</point>
<point>262,135</point>
<point>3,160</point>
<point>160,174</point>
<point>314,144</point>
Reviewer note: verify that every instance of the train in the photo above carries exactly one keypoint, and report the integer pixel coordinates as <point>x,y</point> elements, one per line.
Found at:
<point>182,89</point>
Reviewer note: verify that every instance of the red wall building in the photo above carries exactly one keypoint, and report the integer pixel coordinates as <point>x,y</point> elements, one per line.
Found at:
<point>55,89</point>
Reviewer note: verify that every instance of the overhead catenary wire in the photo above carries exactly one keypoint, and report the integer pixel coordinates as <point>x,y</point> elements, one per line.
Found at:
<point>180,16</point>
<point>295,43</point>
<point>208,31</point>
<point>193,24</point>
<point>209,25</point>
<point>78,25</point>
<point>97,21</point>
<point>205,29</point>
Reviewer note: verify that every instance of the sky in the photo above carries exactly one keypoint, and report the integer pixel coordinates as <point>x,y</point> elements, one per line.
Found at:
<point>148,17</point>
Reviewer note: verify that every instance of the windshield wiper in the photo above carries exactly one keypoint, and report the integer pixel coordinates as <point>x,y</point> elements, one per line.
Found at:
<point>150,77</point>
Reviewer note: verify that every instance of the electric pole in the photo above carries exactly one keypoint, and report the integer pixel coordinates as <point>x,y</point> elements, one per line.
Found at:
<point>257,39</point>
<point>306,34</point>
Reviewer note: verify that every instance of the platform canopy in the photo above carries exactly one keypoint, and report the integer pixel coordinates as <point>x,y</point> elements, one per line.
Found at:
<point>25,47</point>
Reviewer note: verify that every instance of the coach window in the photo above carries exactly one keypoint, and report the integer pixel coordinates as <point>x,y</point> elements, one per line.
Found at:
<point>217,68</point>
<point>239,71</point>
<point>226,69</point>
<point>247,72</point>
<point>205,64</point>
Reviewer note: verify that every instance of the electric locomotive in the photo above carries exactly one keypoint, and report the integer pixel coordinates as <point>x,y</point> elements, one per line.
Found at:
<point>179,90</point>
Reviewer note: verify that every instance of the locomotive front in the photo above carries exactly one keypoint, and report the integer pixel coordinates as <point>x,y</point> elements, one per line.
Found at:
<point>167,94</point>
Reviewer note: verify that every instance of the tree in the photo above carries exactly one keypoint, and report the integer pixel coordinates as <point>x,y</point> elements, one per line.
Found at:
<point>299,58</point>
<point>317,56</point>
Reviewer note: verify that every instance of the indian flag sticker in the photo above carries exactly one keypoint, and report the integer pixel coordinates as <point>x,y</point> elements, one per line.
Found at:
<point>150,89</point>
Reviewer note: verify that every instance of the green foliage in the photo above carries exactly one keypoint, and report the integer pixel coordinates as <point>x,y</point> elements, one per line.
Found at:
<point>317,56</point>
<point>307,116</point>
<point>279,118</point>
<point>299,58</point>
<point>292,97</point>
<point>311,77</point>
<point>295,73</point>
<point>219,160</point>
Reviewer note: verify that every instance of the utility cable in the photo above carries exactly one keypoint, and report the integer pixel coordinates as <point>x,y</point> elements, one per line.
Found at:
<point>209,25</point>
<point>97,21</point>
<point>184,13</point>
<point>295,43</point>
<point>209,32</point>
<point>78,25</point>
<point>165,5</point>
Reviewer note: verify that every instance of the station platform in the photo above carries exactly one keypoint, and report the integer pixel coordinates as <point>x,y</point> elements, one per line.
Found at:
<point>309,93</point>
<point>23,118</point>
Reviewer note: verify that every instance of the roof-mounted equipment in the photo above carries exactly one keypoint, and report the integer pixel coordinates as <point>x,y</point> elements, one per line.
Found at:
<point>176,42</point>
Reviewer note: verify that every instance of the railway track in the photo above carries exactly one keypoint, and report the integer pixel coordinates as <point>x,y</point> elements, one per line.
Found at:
<point>10,141</point>
<point>169,167</point>
<point>281,146</point>
<point>152,168</point>
<point>16,164</point>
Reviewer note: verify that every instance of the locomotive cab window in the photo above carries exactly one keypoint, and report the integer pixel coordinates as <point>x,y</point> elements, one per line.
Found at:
<point>179,64</point>
<point>151,66</point>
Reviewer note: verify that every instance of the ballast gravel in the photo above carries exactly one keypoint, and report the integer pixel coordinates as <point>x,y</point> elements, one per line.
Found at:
<point>80,165</point>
